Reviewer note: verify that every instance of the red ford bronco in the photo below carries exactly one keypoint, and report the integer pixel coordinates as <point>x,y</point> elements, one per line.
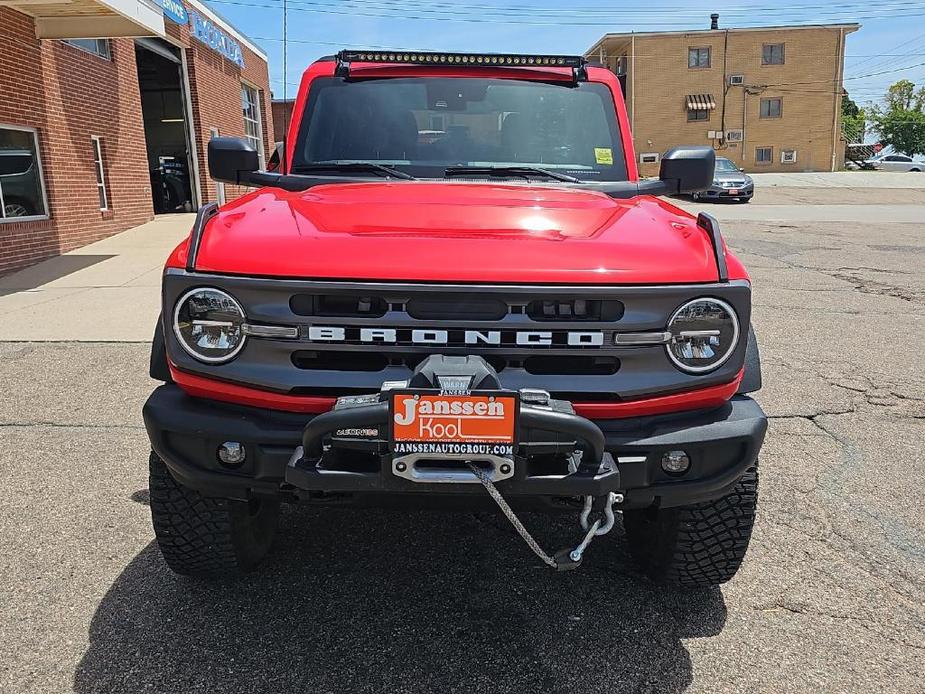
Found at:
<point>454,290</point>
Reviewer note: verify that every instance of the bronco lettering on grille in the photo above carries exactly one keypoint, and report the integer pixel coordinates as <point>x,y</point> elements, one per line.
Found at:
<point>431,336</point>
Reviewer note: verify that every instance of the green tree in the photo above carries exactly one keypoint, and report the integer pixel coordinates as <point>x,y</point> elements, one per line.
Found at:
<point>901,120</point>
<point>853,120</point>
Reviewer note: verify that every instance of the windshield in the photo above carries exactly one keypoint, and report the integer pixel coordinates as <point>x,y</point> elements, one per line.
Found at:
<point>725,166</point>
<point>424,125</point>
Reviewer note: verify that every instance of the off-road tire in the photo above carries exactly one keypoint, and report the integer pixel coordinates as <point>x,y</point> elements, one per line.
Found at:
<point>207,537</point>
<point>699,545</point>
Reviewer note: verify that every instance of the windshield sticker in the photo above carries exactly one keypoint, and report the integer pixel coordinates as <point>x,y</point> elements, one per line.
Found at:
<point>603,155</point>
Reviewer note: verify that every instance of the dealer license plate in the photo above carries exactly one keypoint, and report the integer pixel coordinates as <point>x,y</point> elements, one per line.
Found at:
<point>438,424</point>
<point>733,191</point>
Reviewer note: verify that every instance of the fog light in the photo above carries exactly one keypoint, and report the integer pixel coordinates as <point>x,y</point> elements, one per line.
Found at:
<point>231,453</point>
<point>675,461</point>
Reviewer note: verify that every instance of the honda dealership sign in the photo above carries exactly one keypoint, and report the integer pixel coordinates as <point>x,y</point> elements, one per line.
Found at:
<point>205,30</point>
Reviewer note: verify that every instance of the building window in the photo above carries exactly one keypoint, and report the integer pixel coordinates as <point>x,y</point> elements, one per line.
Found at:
<point>698,57</point>
<point>764,155</point>
<point>219,186</point>
<point>788,156</point>
<point>698,115</point>
<point>772,54</point>
<point>437,123</point>
<point>98,47</point>
<point>253,128</point>
<point>100,172</point>
<point>771,108</point>
<point>22,188</point>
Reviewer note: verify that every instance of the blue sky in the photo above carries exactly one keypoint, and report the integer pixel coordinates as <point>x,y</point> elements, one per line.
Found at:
<point>320,27</point>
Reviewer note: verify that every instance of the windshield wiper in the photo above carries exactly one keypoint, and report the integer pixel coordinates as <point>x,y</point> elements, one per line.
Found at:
<point>359,167</point>
<point>509,171</point>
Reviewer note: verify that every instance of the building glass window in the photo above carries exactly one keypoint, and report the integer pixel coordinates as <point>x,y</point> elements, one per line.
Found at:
<point>771,108</point>
<point>698,114</point>
<point>98,47</point>
<point>22,190</point>
<point>253,129</point>
<point>698,57</point>
<point>772,54</point>
<point>100,172</point>
<point>764,155</point>
<point>219,186</point>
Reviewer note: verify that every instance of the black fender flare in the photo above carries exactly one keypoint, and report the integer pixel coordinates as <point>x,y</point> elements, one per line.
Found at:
<point>158,369</point>
<point>751,381</point>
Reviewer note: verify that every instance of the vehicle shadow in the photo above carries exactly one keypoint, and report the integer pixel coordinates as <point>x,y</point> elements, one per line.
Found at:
<point>48,271</point>
<point>378,601</point>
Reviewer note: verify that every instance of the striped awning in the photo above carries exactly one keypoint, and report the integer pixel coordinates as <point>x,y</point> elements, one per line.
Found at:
<point>700,102</point>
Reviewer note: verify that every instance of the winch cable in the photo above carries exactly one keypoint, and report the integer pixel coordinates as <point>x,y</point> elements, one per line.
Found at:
<point>563,560</point>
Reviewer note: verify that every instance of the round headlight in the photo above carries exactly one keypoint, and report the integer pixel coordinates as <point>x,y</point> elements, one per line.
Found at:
<point>208,323</point>
<point>704,333</point>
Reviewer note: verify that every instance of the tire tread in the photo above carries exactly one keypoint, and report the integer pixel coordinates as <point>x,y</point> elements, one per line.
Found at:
<point>196,534</point>
<point>698,545</point>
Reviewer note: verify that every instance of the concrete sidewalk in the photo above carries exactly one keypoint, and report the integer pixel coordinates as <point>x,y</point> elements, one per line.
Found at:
<point>808,213</point>
<point>104,292</point>
<point>840,179</point>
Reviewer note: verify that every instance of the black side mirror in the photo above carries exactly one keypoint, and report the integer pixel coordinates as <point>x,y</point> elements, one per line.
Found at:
<point>231,159</point>
<point>687,169</point>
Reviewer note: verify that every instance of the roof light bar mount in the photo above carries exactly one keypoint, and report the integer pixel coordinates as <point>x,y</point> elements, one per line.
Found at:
<point>577,63</point>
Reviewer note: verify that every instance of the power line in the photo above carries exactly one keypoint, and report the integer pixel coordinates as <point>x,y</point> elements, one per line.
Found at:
<point>830,81</point>
<point>389,12</point>
<point>441,8</point>
<point>350,44</point>
<point>765,85</point>
<point>506,9</point>
<point>879,64</point>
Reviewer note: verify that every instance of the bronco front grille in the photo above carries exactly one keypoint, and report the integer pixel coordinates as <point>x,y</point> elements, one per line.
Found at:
<point>355,335</point>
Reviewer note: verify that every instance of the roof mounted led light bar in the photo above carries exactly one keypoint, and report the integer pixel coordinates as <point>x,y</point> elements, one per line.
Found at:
<point>576,62</point>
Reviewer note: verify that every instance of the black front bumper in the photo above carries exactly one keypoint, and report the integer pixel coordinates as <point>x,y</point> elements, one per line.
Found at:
<point>720,193</point>
<point>186,432</point>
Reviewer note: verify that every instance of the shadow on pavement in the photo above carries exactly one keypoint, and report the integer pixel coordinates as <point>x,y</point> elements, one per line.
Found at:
<point>356,601</point>
<point>48,271</point>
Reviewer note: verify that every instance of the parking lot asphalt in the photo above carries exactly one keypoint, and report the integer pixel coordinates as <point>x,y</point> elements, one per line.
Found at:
<point>830,598</point>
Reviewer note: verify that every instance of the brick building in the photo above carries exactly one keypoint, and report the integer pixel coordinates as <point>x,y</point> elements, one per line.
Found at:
<point>767,98</point>
<point>100,134</point>
<point>282,116</point>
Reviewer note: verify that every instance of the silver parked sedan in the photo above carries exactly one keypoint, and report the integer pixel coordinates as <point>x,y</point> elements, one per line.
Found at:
<point>895,162</point>
<point>729,183</point>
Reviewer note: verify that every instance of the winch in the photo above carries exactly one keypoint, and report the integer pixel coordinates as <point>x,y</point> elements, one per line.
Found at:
<point>454,424</point>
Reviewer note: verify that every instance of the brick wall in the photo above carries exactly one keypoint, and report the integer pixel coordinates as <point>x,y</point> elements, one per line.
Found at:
<point>806,83</point>
<point>215,90</point>
<point>67,95</point>
<point>282,115</point>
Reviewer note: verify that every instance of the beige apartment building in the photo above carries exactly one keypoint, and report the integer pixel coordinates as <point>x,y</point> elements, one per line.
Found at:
<point>767,98</point>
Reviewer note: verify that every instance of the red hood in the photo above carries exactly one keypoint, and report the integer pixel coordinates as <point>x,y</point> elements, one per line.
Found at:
<point>462,232</point>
